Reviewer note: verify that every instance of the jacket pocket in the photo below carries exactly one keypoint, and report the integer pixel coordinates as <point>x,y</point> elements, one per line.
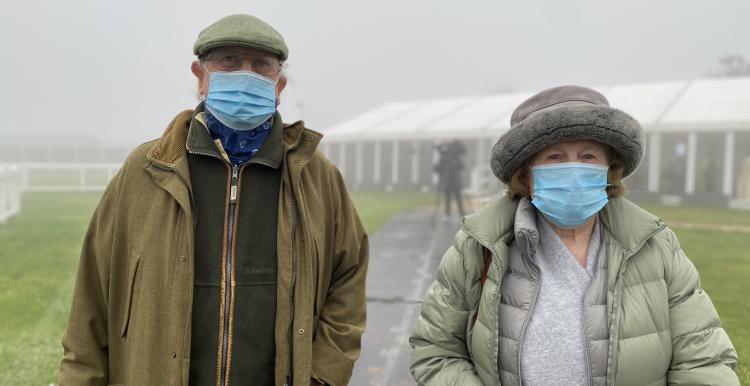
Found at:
<point>321,280</point>
<point>132,272</point>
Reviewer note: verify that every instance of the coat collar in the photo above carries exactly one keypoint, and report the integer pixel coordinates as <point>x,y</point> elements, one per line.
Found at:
<point>494,223</point>
<point>172,145</point>
<point>270,153</point>
<point>170,150</point>
<point>623,221</point>
<point>628,224</point>
<point>525,228</point>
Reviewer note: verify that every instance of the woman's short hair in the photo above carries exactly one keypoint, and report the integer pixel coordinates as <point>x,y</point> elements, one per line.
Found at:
<point>519,185</point>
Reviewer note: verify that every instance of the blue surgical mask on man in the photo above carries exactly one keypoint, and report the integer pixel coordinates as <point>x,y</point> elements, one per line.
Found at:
<point>241,100</point>
<point>570,193</point>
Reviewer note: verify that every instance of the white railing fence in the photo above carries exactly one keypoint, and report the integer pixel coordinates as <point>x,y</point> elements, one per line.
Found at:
<point>15,179</point>
<point>66,177</point>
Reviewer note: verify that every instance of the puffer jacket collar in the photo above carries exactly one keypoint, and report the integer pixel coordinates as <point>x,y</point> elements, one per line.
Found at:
<point>626,223</point>
<point>629,225</point>
<point>525,229</point>
<point>492,224</point>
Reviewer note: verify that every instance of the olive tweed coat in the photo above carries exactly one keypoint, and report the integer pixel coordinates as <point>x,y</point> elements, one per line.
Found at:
<point>131,314</point>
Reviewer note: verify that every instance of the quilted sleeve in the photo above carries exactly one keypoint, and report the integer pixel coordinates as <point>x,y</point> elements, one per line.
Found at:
<point>440,355</point>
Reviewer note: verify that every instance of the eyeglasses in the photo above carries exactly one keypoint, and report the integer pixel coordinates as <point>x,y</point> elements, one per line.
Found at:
<point>233,61</point>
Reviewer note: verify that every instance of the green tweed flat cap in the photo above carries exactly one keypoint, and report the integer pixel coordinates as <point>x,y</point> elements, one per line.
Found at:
<point>563,114</point>
<point>241,30</point>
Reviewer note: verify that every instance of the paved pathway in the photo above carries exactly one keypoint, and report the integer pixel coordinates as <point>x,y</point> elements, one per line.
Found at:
<point>404,256</point>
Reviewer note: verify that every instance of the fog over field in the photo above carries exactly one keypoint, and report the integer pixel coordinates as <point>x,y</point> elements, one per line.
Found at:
<point>120,70</point>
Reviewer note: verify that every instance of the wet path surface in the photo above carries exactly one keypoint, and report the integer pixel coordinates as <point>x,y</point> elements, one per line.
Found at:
<point>404,256</point>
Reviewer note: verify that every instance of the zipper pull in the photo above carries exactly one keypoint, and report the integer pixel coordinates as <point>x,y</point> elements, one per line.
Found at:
<point>233,186</point>
<point>286,380</point>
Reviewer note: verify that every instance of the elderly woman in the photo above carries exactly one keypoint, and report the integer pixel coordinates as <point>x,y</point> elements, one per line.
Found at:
<point>563,281</point>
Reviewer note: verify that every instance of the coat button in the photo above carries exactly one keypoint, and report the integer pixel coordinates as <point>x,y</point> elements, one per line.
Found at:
<point>310,139</point>
<point>296,161</point>
<point>301,331</point>
<point>173,355</point>
<point>182,258</point>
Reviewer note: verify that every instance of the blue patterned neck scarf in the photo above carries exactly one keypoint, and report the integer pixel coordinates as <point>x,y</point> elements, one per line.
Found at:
<point>240,146</point>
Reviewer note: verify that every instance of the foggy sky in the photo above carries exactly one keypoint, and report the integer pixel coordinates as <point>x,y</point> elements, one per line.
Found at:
<point>120,70</point>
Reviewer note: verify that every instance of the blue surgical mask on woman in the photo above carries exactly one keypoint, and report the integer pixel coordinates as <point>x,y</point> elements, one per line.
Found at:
<point>568,194</point>
<point>241,100</point>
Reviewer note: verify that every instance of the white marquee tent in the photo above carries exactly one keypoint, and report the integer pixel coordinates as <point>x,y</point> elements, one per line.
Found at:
<point>696,130</point>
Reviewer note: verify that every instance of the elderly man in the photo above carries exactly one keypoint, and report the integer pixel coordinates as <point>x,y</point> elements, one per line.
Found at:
<point>227,252</point>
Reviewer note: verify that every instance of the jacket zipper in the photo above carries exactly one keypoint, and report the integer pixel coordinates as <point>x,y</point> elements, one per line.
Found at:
<point>585,336</point>
<point>228,274</point>
<point>586,348</point>
<point>531,310</point>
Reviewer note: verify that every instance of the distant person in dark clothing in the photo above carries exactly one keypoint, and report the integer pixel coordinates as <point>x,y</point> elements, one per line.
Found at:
<point>449,168</point>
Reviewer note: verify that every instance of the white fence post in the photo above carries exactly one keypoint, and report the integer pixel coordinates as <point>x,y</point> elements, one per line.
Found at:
<point>10,192</point>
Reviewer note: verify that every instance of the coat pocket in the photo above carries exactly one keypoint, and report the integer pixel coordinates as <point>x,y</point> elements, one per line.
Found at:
<point>132,273</point>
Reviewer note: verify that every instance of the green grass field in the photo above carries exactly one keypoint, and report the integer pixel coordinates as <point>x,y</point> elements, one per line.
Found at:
<point>375,209</point>
<point>39,253</point>
<point>38,259</point>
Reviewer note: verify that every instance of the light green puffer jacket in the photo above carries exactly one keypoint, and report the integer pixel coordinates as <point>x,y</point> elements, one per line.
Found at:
<point>663,327</point>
